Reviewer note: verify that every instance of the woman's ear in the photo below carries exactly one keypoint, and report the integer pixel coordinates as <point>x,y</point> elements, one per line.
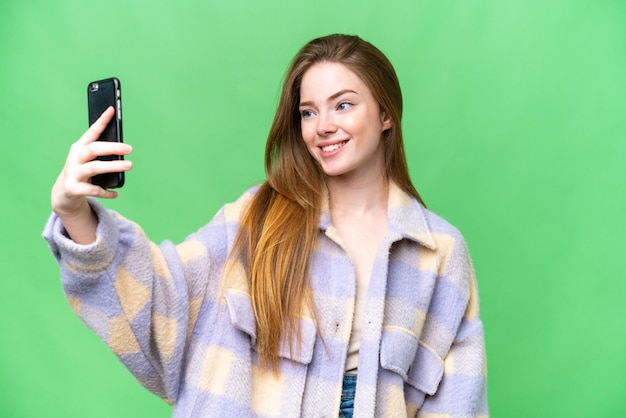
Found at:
<point>385,121</point>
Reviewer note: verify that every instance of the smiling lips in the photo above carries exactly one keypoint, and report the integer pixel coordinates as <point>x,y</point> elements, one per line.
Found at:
<point>333,147</point>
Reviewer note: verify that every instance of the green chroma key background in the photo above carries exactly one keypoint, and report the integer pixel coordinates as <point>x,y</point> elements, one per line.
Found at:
<point>514,126</point>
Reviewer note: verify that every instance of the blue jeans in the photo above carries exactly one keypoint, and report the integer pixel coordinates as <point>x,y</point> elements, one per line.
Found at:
<point>346,409</point>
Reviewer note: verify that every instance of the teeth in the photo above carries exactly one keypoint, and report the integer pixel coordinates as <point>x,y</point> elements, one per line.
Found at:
<point>333,147</point>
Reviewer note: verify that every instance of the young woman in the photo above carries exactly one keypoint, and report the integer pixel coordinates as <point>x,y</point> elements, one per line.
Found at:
<point>327,290</point>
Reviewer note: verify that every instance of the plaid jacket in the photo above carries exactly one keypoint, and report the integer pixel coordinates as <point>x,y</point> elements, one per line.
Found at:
<point>190,338</point>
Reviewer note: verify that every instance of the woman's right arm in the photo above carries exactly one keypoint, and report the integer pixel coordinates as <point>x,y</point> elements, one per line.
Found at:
<point>72,187</point>
<point>140,298</point>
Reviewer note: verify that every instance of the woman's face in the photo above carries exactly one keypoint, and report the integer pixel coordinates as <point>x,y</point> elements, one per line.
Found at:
<point>342,123</point>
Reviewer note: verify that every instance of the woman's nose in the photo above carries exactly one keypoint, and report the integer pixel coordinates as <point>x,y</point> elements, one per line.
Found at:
<point>326,124</point>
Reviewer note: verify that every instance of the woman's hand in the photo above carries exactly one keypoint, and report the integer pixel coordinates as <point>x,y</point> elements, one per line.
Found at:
<point>73,186</point>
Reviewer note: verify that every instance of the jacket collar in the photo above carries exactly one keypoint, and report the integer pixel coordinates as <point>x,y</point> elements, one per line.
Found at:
<point>405,217</point>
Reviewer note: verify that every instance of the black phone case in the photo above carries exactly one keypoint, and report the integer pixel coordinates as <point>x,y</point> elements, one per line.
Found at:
<point>100,95</point>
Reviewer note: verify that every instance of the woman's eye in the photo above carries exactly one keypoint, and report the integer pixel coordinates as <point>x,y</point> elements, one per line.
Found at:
<point>306,114</point>
<point>344,105</point>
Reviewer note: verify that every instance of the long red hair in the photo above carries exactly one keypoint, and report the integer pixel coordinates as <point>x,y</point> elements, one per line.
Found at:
<point>280,227</point>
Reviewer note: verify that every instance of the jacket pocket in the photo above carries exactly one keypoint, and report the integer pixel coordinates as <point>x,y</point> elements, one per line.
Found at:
<point>427,370</point>
<point>418,364</point>
<point>242,317</point>
<point>302,351</point>
<point>397,350</point>
<point>241,312</point>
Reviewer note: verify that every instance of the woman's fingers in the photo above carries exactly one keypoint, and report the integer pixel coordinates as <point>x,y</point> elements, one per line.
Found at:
<point>88,189</point>
<point>84,153</point>
<point>96,129</point>
<point>73,184</point>
<point>83,172</point>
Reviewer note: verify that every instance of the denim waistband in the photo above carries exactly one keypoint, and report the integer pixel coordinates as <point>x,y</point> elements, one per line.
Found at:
<point>346,409</point>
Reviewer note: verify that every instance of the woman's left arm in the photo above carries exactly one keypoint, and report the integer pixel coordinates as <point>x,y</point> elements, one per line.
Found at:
<point>462,390</point>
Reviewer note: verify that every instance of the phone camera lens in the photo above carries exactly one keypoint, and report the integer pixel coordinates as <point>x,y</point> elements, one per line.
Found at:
<point>93,87</point>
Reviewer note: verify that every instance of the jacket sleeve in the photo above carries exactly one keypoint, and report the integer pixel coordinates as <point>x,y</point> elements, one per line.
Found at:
<point>140,298</point>
<point>462,391</point>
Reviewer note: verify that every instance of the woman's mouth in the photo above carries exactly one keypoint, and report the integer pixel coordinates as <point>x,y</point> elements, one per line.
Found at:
<point>333,147</point>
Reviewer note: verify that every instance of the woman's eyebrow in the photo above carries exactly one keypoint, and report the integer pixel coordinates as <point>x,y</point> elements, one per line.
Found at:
<point>332,97</point>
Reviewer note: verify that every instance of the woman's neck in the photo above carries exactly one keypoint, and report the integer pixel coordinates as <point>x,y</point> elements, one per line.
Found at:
<point>357,197</point>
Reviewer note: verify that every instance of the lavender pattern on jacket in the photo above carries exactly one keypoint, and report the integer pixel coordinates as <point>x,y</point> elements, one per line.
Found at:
<point>190,338</point>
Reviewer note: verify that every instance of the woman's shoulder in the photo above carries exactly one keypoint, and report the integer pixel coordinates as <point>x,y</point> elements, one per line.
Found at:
<point>232,211</point>
<point>444,235</point>
<point>408,214</point>
<point>438,224</point>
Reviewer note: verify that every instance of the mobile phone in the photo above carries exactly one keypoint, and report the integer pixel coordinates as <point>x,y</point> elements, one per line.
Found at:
<point>100,95</point>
